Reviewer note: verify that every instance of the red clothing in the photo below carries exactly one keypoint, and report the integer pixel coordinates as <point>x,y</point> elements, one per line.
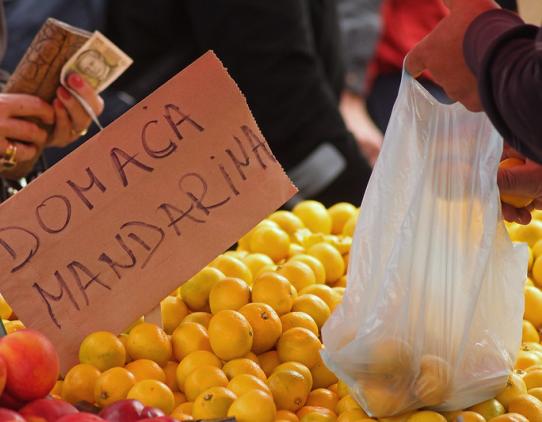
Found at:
<point>404,24</point>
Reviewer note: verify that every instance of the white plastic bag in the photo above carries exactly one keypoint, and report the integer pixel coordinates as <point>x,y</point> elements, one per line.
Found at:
<point>433,307</point>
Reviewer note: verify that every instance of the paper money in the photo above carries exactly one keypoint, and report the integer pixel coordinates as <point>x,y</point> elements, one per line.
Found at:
<point>99,62</point>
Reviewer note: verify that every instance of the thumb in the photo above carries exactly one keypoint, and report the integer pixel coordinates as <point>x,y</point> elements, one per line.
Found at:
<point>414,62</point>
<point>522,180</point>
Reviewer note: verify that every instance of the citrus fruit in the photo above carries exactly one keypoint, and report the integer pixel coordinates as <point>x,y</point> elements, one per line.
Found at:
<point>273,242</point>
<point>489,409</point>
<point>323,397</point>
<point>299,368</point>
<point>514,200</point>
<point>174,310</point>
<point>346,403</point>
<point>253,357</point>
<point>433,383</point>
<point>330,258</point>
<point>202,378</point>
<point>469,416</point>
<point>154,394</point>
<point>324,292</point>
<point>189,337</point>
<point>533,305</point>
<point>287,221</point>
<point>298,319</point>
<point>314,216</point>
<point>510,417</point>
<point>5,309</point>
<point>202,318</point>
<point>536,392</point>
<point>286,415</point>
<point>529,234</point>
<point>316,414</point>
<point>229,293</point>
<point>193,361</point>
<point>195,292</point>
<point>299,274</point>
<point>350,226</point>
<point>322,377</point>
<point>230,335</point>
<point>316,266</point>
<point>243,383</point>
<point>529,332</point>
<point>179,397</point>
<point>353,415</point>
<point>232,267</point>
<point>146,369</point>
<point>289,389</point>
<point>256,262</point>
<point>299,345</point>
<point>527,358</point>
<point>274,290</point>
<point>269,361</point>
<point>254,406</point>
<point>537,268</point>
<point>533,379</point>
<point>102,350</point>
<point>243,366</point>
<point>294,250</point>
<point>79,383</point>
<point>170,370</point>
<point>265,323</point>
<point>528,406</point>
<point>313,306</point>
<point>340,213</point>
<point>244,242</point>
<point>113,385</point>
<point>426,416</point>
<point>515,386</point>
<point>213,403</point>
<point>148,341</point>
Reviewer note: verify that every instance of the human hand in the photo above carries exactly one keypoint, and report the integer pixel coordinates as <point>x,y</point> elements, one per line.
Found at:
<point>358,121</point>
<point>521,181</point>
<point>441,52</point>
<point>23,137</point>
<point>71,119</point>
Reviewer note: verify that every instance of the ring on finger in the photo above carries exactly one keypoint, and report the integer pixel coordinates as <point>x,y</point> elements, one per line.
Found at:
<point>79,133</point>
<point>8,159</point>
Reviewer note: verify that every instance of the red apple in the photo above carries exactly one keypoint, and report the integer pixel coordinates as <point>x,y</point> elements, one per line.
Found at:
<point>46,410</point>
<point>10,402</point>
<point>7,415</point>
<point>123,411</point>
<point>162,419</point>
<point>80,417</point>
<point>152,412</point>
<point>32,364</point>
<point>3,375</point>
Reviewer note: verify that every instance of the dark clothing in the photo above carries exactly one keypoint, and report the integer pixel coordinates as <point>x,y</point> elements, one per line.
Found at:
<point>505,54</point>
<point>283,54</point>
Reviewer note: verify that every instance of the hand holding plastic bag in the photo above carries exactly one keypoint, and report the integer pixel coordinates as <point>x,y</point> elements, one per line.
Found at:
<point>432,312</point>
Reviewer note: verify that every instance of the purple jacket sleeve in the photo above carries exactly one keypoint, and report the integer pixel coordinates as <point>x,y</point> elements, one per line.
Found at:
<point>505,54</point>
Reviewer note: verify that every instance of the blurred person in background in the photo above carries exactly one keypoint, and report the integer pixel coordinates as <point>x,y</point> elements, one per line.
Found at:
<point>490,60</point>
<point>285,57</point>
<point>21,139</point>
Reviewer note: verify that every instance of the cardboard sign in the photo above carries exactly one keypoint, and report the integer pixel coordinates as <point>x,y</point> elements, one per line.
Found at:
<point>103,236</point>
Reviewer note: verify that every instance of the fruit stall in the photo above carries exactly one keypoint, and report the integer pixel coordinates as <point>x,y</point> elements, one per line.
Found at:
<point>240,340</point>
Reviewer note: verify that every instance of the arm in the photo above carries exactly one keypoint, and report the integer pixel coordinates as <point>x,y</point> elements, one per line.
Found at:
<point>506,56</point>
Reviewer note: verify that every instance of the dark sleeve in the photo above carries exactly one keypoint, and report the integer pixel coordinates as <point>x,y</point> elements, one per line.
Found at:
<point>505,54</point>
<point>269,47</point>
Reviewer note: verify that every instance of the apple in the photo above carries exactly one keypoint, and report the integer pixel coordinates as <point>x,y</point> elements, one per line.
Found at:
<point>151,412</point>
<point>7,415</point>
<point>10,402</point>
<point>46,410</point>
<point>123,411</point>
<point>80,417</point>
<point>31,362</point>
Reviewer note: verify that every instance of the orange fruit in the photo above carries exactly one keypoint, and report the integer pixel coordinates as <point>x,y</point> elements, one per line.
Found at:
<point>271,241</point>
<point>189,337</point>
<point>145,369</point>
<point>299,368</point>
<point>533,304</point>
<point>202,318</point>
<point>299,345</point>
<point>489,409</point>
<point>203,378</point>
<point>243,383</point>
<point>515,387</point>
<point>529,332</point>
<point>274,290</point>
<point>322,397</point>
<point>113,385</point>
<point>269,361</point>
<point>313,306</point>
<point>170,370</point>
<point>322,377</point>
<point>287,221</point>
<point>173,310</point>
<point>286,415</point>
<point>229,293</point>
<point>298,319</point>
<point>314,216</point>
<point>193,361</point>
<point>213,403</point>
<point>232,267</point>
<point>330,258</point>
<point>316,266</point>
<point>154,394</point>
<point>289,389</point>
<point>340,213</point>
<point>195,292</point>
<point>528,406</point>
<point>265,323</point>
<point>256,262</point>
<point>230,335</point>
<point>510,417</point>
<point>299,274</point>
<point>148,341</point>
<point>254,406</point>
<point>79,383</point>
<point>243,366</point>
<point>103,350</point>
<point>514,200</point>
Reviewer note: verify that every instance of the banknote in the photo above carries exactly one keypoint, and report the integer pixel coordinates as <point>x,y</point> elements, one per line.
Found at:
<point>99,62</point>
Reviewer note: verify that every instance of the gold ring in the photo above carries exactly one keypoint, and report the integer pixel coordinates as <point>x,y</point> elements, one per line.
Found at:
<point>77,134</point>
<point>8,159</point>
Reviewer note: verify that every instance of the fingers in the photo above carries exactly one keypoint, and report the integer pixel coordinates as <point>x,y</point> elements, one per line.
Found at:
<point>414,61</point>
<point>516,215</point>
<point>76,82</point>
<point>24,152</point>
<point>63,133</point>
<point>23,105</point>
<point>524,180</point>
<point>23,130</point>
<point>79,118</point>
